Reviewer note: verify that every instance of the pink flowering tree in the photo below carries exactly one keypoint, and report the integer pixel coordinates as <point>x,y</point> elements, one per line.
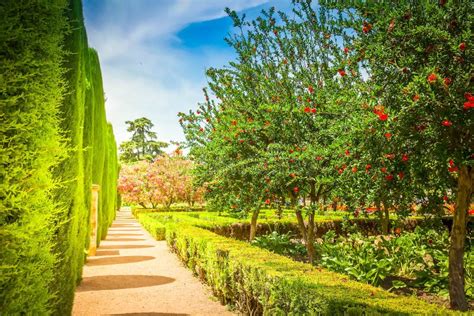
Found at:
<point>164,181</point>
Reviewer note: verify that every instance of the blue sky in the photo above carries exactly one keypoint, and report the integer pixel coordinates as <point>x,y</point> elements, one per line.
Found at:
<point>154,54</point>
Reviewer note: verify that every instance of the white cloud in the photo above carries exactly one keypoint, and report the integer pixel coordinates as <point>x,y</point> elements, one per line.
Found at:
<point>144,72</point>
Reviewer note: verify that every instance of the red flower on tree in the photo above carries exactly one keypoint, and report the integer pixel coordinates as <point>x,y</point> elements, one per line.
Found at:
<point>383,169</point>
<point>296,189</point>
<point>366,27</point>
<point>388,136</point>
<point>447,81</point>
<point>267,201</point>
<point>346,50</point>
<point>432,78</point>
<point>416,97</point>
<point>389,177</point>
<point>469,104</point>
<point>310,89</point>
<point>405,157</point>
<point>341,72</point>
<point>462,46</point>
<point>307,109</point>
<point>383,116</point>
<point>446,123</point>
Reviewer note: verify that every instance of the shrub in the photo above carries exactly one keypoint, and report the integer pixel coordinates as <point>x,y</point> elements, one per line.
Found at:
<point>260,282</point>
<point>31,144</point>
<point>51,91</point>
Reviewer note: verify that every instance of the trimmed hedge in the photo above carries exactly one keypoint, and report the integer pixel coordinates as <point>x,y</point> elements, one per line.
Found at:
<point>258,282</point>
<point>53,133</point>
<point>32,88</point>
<point>71,231</point>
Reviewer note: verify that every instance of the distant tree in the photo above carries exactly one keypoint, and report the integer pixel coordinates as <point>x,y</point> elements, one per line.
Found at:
<point>143,145</point>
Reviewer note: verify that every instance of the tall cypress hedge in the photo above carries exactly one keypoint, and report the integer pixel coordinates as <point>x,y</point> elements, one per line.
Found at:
<point>31,84</point>
<point>71,229</point>
<point>56,142</point>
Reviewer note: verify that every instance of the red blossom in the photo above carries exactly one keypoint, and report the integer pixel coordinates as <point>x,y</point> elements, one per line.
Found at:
<point>446,123</point>
<point>354,169</point>
<point>462,46</point>
<point>342,72</point>
<point>310,89</point>
<point>471,212</point>
<point>401,175</point>
<point>307,109</point>
<point>347,152</point>
<point>470,101</point>
<point>346,50</point>
<point>383,169</point>
<point>453,169</point>
<point>366,27</point>
<point>383,116</point>
<point>313,110</point>
<point>319,158</point>
<point>445,198</point>
<point>368,167</point>
<point>267,201</point>
<point>432,78</point>
<point>405,157</point>
<point>416,97</point>
<point>389,177</point>
<point>388,136</point>
<point>296,189</point>
<point>447,81</point>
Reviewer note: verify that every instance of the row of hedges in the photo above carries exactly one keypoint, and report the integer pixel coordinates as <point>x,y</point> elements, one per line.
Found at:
<point>259,282</point>
<point>55,141</point>
<point>240,228</point>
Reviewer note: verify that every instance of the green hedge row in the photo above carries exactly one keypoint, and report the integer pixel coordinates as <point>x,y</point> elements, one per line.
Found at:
<point>56,142</point>
<point>258,282</point>
<point>240,228</point>
<point>32,86</point>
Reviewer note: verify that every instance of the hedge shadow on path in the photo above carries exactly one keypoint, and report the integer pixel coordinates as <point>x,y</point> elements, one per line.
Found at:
<point>118,260</point>
<point>118,282</point>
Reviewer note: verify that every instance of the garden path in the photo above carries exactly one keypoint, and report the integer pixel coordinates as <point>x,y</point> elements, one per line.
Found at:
<point>133,274</point>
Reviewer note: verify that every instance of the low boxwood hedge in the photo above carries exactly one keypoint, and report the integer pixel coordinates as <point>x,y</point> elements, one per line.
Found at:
<point>258,282</point>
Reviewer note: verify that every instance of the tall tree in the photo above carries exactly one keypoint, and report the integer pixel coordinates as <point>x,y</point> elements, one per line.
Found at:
<point>144,144</point>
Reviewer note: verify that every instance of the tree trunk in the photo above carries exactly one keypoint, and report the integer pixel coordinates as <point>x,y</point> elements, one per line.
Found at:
<point>301,223</point>
<point>382,213</point>
<point>253,224</point>
<point>310,238</point>
<point>458,236</point>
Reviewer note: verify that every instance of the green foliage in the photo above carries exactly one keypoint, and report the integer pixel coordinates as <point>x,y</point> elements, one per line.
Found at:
<point>258,281</point>
<point>51,89</point>
<point>71,231</point>
<point>154,227</point>
<point>143,145</point>
<point>32,89</point>
<point>281,244</point>
<point>420,256</point>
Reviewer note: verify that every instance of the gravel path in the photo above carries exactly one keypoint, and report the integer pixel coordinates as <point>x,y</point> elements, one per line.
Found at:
<point>133,274</point>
